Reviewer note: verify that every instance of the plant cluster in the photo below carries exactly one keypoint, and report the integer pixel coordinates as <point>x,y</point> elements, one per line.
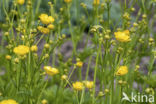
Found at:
<point>109,62</point>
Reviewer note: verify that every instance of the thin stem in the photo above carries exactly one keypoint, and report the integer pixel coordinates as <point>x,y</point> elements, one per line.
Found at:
<point>38,5</point>
<point>39,39</point>
<point>70,29</point>
<point>108,13</point>
<point>38,101</point>
<point>90,58</point>
<point>82,96</point>
<point>96,67</point>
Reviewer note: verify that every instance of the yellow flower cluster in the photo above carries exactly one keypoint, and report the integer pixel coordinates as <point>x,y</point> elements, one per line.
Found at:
<point>9,101</point>
<point>79,85</point>
<point>122,70</point>
<point>20,2</point>
<point>51,71</point>
<point>21,50</point>
<point>45,19</point>
<point>123,36</point>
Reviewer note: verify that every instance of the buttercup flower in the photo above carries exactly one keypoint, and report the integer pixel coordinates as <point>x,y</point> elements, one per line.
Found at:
<point>45,19</point>
<point>96,2</point>
<point>122,70</point>
<point>34,48</point>
<point>9,101</point>
<point>21,2</point>
<point>78,86</point>
<point>21,50</point>
<point>51,27</point>
<point>67,1</point>
<point>51,71</point>
<point>43,29</point>
<point>88,84</point>
<point>122,36</point>
<point>39,28</point>
<point>79,64</point>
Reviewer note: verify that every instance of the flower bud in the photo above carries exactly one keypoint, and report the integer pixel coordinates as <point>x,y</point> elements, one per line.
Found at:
<point>8,57</point>
<point>46,46</point>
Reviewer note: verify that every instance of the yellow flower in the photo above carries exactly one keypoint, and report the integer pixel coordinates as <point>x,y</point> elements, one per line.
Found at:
<point>9,101</point>
<point>34,48</point>
<point>44,101</point>
<point>8,57</point>
<point>96,2</point>
<point>89,84</point>
<point>43,30</point>
<point>21,50</point>
<point>45,19</point>
<point>79,64</point>
<point>122,70</point>
<point>51,26</point>
<point>39,28</point>
<point>123,36</point>
<point>67,1</point>
<point>51,71</point>
<point>21,2</point>
<point>78,86</point>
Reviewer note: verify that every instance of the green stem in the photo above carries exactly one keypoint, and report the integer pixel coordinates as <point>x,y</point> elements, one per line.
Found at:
<point>82,96</point>
<point>70,29</point>
<point>96,67</point>
<point>69,76</point>
<point>40,95</point>
<point>40,39</point>
<point>90,58</point>
<point>108,13</point>
<point>80,73</point>
<point>38,5</point>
